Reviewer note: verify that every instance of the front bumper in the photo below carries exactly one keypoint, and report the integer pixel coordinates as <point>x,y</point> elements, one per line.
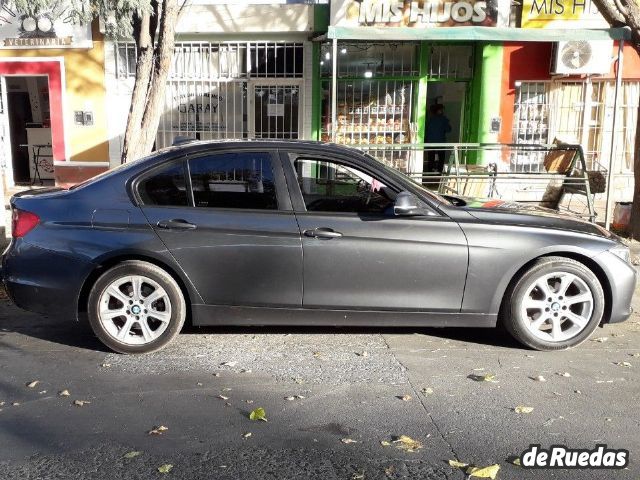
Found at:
<point>43,281</point>
<point>622,282</point>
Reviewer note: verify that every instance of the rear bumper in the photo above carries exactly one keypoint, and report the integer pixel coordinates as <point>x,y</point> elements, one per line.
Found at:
<point>622,280</point>
<point>43,281</point>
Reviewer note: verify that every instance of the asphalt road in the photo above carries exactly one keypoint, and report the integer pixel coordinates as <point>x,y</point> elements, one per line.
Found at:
<point>347,387</point>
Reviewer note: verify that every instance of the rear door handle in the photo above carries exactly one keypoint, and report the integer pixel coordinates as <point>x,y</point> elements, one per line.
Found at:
<point>176,224</point>
<point>323,233</point>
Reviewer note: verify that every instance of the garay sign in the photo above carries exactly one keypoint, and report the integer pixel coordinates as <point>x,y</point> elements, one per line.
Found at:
<point>414,14</point>
<point>51,27</point>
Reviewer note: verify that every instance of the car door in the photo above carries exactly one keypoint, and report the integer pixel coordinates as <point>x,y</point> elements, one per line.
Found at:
<point>358,254</point>
<point>226,217</point>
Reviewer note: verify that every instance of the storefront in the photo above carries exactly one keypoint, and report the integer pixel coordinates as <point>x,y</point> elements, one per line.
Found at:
<point>52,98</point>
<point>229,80</point>
<point>396,64</point>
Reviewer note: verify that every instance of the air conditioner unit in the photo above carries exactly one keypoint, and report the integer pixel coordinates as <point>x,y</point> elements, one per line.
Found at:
<point>581,57</point>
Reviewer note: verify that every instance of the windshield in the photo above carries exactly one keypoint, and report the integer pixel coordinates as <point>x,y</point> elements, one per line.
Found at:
<point>403,176</point>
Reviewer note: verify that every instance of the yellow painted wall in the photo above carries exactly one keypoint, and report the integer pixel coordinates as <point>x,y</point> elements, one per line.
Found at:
<point>85,90</point>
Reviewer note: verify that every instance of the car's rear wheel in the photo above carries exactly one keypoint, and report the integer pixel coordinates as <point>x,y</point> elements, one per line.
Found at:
<point>554,305</point>
<point>136,307</point>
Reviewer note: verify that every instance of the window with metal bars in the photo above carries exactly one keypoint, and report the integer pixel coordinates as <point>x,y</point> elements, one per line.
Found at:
<point>223,60</point>
<point>576,112</point>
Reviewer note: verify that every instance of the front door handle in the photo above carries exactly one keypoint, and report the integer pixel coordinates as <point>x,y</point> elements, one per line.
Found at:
<point>176,224</point>
<point>323,233</point>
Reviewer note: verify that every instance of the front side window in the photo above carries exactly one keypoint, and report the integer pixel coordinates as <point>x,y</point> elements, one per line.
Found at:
<point>233,180</point>
<point>166,187</point>
<point>331,187</point>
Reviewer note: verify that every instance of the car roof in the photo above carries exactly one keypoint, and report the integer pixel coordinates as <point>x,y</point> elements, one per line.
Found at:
<point>271,143</point>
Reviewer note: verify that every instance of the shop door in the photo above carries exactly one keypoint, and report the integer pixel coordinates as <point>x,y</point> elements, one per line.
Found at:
<point>274,109</point>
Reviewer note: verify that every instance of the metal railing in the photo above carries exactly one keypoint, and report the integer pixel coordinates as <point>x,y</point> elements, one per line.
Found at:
<point>555,175</point>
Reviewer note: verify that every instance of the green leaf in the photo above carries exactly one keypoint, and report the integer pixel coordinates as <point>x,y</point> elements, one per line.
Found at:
<point>258,414</point>
<point>166,468</point>
<point>132,454</point>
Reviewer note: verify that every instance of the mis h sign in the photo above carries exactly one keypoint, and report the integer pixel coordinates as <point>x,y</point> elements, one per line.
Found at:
<point>414,14</point>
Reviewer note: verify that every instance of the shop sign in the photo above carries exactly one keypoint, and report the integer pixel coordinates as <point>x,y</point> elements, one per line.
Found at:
<point>404,13</point>
<point>191,111</point>
<point>561,14</point>
<point>42,28</point>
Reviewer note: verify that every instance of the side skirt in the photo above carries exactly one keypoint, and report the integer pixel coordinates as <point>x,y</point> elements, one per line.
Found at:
<point>210,315</point>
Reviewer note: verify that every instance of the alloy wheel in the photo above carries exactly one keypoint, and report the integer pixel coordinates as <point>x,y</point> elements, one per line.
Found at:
<point>134,310</point>
<point>557,306</point>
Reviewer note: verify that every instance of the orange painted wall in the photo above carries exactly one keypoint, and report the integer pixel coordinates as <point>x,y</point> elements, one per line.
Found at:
<point>531,62</point>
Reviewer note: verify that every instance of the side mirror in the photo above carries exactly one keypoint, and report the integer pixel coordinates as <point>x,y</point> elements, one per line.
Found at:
<point>406,204</point>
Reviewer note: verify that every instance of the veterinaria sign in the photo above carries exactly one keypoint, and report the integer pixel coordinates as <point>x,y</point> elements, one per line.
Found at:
<point>51,27</point>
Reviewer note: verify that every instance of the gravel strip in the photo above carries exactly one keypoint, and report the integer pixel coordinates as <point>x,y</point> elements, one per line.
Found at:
<point>303,357</point>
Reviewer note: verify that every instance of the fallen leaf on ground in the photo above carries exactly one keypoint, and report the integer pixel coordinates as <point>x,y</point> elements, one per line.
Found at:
<point>624,364</point>
<point>406,398</point>
<point>81,403</point>
<point>222,397</point>
<point>42,392</point>
<point>484,472</point>
<point>258,414</point>
<point>215,374</point>
<point>64,393</point>
<point>199,384</point>
<point>33,384</point>
<point>158,430</point>
<point>385,443</point>
<point>132,454</point>
<point>358,476</point>
<point>166,468</point>
<point>348,440</point>
<point>516,461</point>
<point>16,404</point>
<point>489,377</point>
<point>457,464</point>
<point>106,365</point>
<point>600,339</point>
<point>229,364</point>
<point>246,435</point>
<point>539,378</point>
<point>523,409</point>
<point>634,354</point>
<point>226,389</point>
<point>407,443</point>
<point>427,391</point>
<point>317,354</point>
<point>564,374</point>
<point>363,354</point>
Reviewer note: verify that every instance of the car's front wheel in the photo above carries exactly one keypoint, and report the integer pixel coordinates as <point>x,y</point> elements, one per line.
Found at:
<point>556,304</point>
<point>136,307</point>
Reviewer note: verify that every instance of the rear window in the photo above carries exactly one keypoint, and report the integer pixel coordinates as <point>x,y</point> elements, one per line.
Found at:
<point>165,187</point>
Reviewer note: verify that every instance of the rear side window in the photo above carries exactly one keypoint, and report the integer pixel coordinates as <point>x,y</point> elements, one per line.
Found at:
<point>241,180</point>
<point>165,187</point>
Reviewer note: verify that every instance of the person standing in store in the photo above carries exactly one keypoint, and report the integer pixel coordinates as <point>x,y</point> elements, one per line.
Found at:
<point>438,126</point>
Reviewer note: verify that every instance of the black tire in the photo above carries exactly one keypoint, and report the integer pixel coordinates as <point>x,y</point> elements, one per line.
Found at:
<point>158,275</point>
<point>515,323</point>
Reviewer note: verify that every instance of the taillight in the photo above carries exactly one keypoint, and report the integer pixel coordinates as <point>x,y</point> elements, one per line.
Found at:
<point>22,222</point>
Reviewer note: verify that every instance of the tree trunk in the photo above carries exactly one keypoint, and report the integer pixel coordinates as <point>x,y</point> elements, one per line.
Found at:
<point>162,64</point>
<point>152,69</point>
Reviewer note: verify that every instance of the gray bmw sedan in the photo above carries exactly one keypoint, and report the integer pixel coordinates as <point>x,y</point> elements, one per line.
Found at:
<point>303,233</point>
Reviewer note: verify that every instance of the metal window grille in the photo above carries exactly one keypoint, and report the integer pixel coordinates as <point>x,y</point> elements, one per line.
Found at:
<point>451,62</point>
<point>530,124</point>
<point>372,112</point>
<point>224,60</point>
<point>576,112</point>
<point>358,59</point>
<point>206,95</point>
